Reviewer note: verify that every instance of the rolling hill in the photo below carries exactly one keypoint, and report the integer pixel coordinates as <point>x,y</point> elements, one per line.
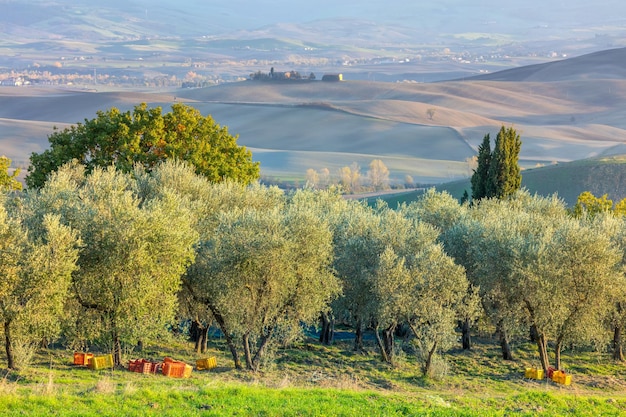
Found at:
<point>428,131</point>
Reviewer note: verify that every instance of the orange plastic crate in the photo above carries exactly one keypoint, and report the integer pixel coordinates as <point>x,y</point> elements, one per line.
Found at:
<point>81,358</point>
<point>208,363</point>
<point>175,369</point>
<point>561,378</point>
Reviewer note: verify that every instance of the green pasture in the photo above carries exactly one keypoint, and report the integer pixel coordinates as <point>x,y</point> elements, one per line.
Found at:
<point>314,380</point>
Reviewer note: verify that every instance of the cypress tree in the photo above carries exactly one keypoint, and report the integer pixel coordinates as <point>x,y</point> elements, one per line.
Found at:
<point>504,176</point>
<point>481,173</point>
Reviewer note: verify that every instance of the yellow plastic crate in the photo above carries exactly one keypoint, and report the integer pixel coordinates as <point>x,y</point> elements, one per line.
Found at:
<point>208,363</point>
<point>100,362</point>
<point>533,373</point>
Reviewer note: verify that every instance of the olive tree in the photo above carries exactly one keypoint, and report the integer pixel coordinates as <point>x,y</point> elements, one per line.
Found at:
<point>35,269</point>
<point>262,264</point>
<point>358,242</point>
<point>264,273</point>
<point>587,271</point>
<point>490,243</point>
<point>444,212</point>
<point>134,252</point>
<point>425,289</point>
<point>615,228</point>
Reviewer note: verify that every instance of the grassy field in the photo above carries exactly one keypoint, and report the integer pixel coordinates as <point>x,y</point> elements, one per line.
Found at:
<point>314,380</point>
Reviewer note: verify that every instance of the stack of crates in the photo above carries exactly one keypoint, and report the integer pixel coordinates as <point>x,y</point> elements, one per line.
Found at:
<point>208,363</point>
<point>561,378</point>
<point>82,358</point>
<point>143,366</point>
<point>100,362</point>
<point>533,373</point>
<point>176,369</point>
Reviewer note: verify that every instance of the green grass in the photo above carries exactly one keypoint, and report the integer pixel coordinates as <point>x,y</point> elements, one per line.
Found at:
<point>314,380</point>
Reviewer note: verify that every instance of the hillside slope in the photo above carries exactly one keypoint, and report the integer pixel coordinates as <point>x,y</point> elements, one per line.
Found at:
<point>600,176</point>
<point>608,64</point>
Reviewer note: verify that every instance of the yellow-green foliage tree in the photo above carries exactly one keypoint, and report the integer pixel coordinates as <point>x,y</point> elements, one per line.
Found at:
<point>590,205</point>
<point>8,181</point>
<point>146,137</point>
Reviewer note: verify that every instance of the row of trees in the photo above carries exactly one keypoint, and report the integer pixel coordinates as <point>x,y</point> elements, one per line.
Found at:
<point>111,258</point>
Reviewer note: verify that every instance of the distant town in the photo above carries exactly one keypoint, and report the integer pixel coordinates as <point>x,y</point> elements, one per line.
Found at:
<point>155,71</point>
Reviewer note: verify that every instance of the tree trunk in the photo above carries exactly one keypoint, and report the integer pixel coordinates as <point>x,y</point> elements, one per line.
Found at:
<point>381,346</point>
<point>139,345</point>
<point>466,338</point>
<point>204,339</point>
<point>229,339</point>
<point>533,334</point>
<point>261,350</point>
<point>194,334</point>
<point>327,334</point>
<point>429,359</point>
<point>246,351</point>
<point>358,338</point>
<point>8,345</point>
<point>504,342</point>
<point>618,353</point>
<point>557,352</point>
<point>389,342</point>
<point>117,350</point>
<point>542,345</point>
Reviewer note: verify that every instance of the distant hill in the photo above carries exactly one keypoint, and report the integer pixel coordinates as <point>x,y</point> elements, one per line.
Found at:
<point>608,64</point>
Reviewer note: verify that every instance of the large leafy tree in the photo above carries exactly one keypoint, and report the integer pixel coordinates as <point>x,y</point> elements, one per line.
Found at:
<point>145,136</point>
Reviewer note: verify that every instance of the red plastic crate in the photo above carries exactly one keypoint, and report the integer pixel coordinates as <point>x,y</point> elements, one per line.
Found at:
<point>143,366</point>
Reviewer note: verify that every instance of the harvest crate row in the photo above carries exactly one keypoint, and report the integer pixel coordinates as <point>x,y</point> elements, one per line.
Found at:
<point>169,367</point>
<point>557,376</point>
